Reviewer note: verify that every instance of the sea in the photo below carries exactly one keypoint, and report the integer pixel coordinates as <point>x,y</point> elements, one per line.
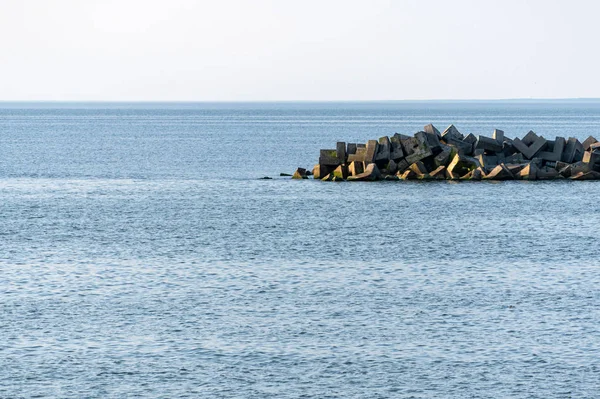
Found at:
<point>142,255</point>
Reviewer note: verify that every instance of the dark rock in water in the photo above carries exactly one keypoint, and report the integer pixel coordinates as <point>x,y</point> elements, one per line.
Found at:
<point>285,175</point>
<point>266,178</point>
<point>300,173</point>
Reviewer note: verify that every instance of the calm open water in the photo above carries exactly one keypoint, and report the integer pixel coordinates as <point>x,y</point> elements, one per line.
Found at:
<point>140,256</point>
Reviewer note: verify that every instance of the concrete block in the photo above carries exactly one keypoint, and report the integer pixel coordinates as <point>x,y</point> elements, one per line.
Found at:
<point>371,173</point>
<point>419,168</point>
<point>300,173</point>
<point>529,138</point>
<point>461,165</point>
<point>402,165</point>
<point>320,171</point>
<point>531,150</point>
<point>500,172</point>
<point>547,173</point>
<point>431,130</point>
<point>453,133</point>
<point>341,172</point>
<point>371,151</point>
<point>439,173</point>
<point>588,142</point>
<point>529,172</point>
<point>488,144</point>
<point>433,141</point>
<point>407,175</point>
<point>591,175</point>
<point>498,135</point>
<point>383,150</point>
<point>359,156</point>
<point>329,158</point>
<point>356,168</point>
<point>351,149</point>
<point>573,151</point>
<point>554,150</point>
<point>416,148</point>
<point>341,151</point>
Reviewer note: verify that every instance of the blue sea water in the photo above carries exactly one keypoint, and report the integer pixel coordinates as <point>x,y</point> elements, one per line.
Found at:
<point>141,256</point>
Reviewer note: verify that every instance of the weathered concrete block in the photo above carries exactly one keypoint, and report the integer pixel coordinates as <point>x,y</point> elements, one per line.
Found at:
<point>416,148</point>
<point>320,171</point>
<point>444,157</point>
<point>500,172</point>
<point>407,175</point>
<point>340,150</point>
<point>488,144</point>
<point>529,172</point>
<point>329,158</point>
<point>452,132</point>
<point>419,168</point>
<point>439,173</point>
<point>433,141</point>
<point>341,172</point>
<point>498,135</point>
<point>359,156</point>
<point>300,173</point>
<point>371,173</point>
<point>591,175</point>
<point>547,173</point>
<point>355,168</point>
<point>515,158</point>
<point>529,138</point>
<point>396,153</point>
<point>391,168</point>
<point>351,149</point>
<point>579,167</point>
<point>573,151</point>
<point>383,150</point>
<point>592,158</point>
<point>461,165</point>
<point>554,150</point>
<point>515,168</point>
<point>470,138</point>
<point>371,151</point>
<point>402,165</point>
<point>431,130</point>
<point>531,150</point>
<point>588,142</point>
<point>487,162</point>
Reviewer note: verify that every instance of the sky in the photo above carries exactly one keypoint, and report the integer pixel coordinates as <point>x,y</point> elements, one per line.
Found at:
<point>287,50</point>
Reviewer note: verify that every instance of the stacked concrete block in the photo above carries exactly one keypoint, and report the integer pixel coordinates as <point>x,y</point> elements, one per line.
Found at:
<point>431,155</point>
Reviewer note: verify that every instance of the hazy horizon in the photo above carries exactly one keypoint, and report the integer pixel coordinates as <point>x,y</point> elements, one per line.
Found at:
<point>264,51</point>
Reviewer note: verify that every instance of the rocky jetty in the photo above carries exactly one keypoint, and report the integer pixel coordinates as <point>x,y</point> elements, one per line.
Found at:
<point>450,155</point>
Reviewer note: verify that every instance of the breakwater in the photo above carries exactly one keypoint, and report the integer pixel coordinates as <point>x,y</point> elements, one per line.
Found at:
<point>450,155</point>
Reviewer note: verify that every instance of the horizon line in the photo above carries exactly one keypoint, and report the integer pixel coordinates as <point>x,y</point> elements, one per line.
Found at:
<point>310,101</point>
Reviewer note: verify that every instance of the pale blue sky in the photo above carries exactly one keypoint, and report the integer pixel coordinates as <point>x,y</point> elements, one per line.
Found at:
<point>297,50</point>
